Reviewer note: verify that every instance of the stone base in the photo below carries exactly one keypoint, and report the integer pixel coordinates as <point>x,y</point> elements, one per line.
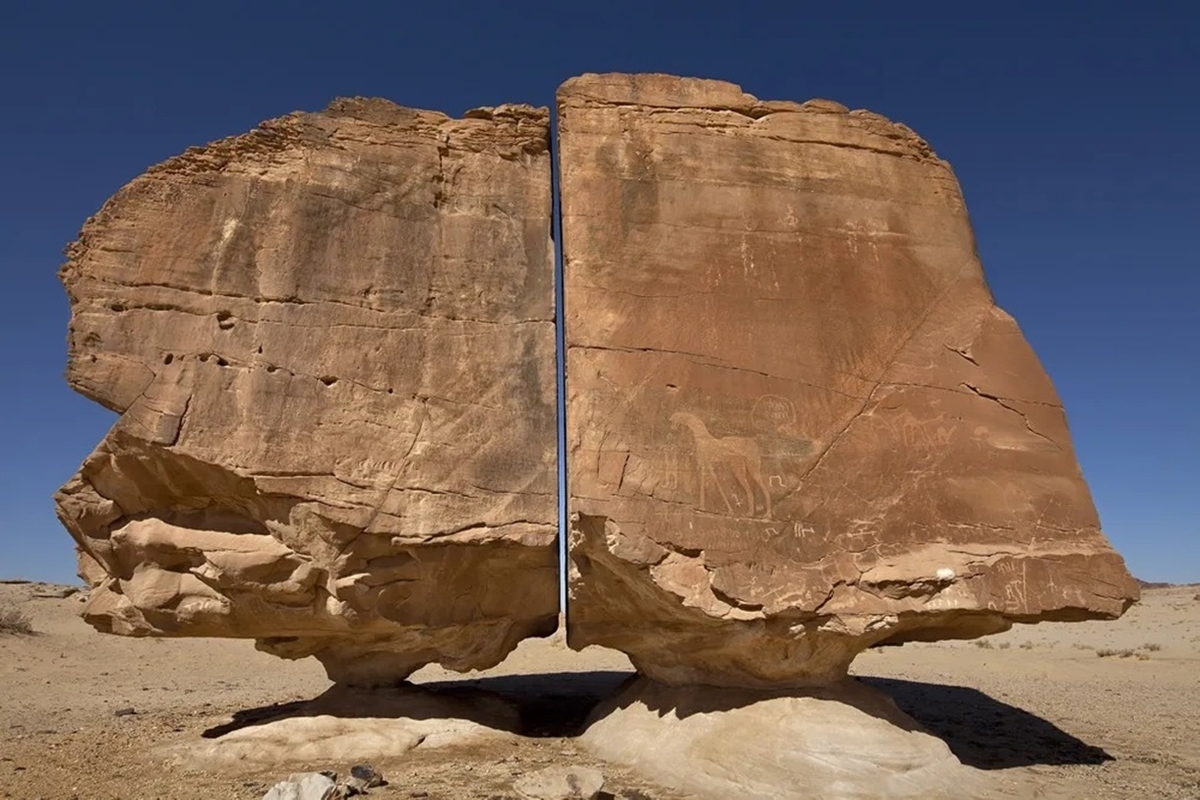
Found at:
<point>346,724</point>
<point>844,740</point>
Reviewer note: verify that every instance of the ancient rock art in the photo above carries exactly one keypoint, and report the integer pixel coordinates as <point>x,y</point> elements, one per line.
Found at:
<point>739,454</point>
<point>798,425</point>
<point>331,344</point>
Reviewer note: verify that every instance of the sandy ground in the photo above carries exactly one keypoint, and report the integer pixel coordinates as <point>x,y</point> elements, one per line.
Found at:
<point>1089,710</point>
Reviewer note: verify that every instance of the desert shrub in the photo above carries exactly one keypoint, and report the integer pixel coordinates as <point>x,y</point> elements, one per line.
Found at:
<point>15,621</point>
<point>1126,653</point>
<point>1005,645</point>
<point>1026,645</point>
<point>1153,647</point>
<point>983,644</point>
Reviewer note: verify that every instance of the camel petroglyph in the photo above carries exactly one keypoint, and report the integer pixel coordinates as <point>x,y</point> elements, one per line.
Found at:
<point>741,455</point>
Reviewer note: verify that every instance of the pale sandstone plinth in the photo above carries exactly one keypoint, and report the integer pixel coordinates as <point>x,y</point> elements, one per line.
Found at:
<point>844,740</point>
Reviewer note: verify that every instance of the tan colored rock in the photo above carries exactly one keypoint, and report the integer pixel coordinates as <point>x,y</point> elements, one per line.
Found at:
<point>348,724</point>
<point>843,741</point>
<point>798,425</point>
<point>560,782</point>
<point>331,344</point>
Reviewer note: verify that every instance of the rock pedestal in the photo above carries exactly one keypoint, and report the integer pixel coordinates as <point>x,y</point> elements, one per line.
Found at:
<point>331,344</point>
<point>844,740</point>
<point>798,425</point>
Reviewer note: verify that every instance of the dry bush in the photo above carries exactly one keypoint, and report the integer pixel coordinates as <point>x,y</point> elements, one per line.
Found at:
<point>1005,645</point>
<point>1026,645</point>
<point>983,644</point>
<point>1126,653</point>
<point>14,620</point>
<point>1153,647</point>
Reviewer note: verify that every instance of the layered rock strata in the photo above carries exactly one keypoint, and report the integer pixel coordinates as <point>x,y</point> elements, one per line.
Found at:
<point>331,345</point>
<point>798,424</point>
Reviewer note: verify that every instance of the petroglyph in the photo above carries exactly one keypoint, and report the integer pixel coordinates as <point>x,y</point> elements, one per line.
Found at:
<point>773,413</point>
<point>739,455</point>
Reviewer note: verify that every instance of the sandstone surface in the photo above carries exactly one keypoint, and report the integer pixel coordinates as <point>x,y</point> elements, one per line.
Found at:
<point>798,424</point>
<point>331,345</point>
<point>348,724</point>
<point>844,740</point>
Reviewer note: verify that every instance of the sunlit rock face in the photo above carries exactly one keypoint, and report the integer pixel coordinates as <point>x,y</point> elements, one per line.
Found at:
<point>331,344</point>
<point>798,425</point>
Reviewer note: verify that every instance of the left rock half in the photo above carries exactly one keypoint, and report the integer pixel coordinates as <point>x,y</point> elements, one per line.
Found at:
<point>331,344</point>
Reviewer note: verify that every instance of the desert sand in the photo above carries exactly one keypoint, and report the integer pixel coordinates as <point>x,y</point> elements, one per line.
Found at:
<point>1086,710</point>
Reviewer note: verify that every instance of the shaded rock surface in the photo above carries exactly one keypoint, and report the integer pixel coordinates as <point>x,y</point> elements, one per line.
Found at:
<point>842,740</point>
<point>798,424</point>
<point>331,344</point>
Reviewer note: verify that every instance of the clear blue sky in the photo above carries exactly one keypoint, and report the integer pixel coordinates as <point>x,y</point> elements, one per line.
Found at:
<point>1073,127</point>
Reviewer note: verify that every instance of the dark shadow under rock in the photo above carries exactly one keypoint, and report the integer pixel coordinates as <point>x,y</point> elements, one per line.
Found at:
<point>550,704</point>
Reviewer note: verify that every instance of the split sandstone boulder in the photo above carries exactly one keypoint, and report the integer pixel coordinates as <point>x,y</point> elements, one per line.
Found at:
<point>798,425</point>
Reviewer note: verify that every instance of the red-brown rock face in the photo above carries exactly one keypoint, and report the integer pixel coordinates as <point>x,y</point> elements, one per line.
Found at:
<point>331,344</point>
<point>798,425</point>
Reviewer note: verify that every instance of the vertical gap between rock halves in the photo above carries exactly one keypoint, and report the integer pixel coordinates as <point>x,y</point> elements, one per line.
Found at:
<point>560,365</point>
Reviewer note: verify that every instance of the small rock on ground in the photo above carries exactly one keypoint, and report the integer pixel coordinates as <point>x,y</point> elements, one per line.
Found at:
<point>561,783</point>
<point>303,786</point>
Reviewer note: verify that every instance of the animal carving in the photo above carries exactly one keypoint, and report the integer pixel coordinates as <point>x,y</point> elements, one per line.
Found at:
<point>739,454</point>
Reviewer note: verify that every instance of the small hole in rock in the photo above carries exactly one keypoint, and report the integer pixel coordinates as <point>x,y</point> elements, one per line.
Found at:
<point>222,362</point>
<point>168,358</point>
<point>391,391</point>
<point>117,307</point>
<point>328,380</point>
<point>258,350</point>
<point>271,367</point>
<point>204,356</point>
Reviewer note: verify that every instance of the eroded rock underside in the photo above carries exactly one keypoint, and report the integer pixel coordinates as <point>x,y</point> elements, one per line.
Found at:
<point>798,425</point>
<point>331,344</point>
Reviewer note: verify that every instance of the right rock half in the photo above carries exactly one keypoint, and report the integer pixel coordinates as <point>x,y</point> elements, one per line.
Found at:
<point>798,424</point>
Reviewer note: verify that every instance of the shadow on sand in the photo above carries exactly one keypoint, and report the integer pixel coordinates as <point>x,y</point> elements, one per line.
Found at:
<point>982,732</point>
<point>986,733</point>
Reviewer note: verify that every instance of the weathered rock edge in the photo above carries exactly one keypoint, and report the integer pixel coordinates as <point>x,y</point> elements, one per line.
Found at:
<point>798,425</point>
<point>331,344</point>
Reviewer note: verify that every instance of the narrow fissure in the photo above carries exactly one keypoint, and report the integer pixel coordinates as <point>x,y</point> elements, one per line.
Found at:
<point>560,364</point>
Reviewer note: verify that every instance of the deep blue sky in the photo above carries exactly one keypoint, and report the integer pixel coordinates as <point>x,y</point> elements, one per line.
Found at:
<point>1073,127</point>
